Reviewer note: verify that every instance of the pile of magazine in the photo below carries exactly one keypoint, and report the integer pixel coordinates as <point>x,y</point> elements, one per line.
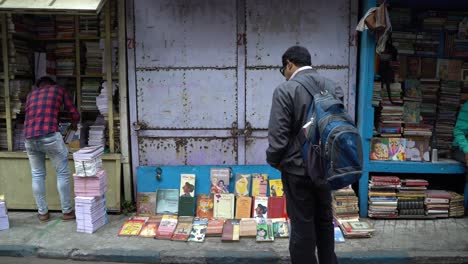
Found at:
<point>4,223</point>
<point>90,183</point>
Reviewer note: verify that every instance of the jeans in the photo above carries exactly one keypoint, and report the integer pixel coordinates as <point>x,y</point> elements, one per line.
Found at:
<point>309,208</point>
<point>52,145</point>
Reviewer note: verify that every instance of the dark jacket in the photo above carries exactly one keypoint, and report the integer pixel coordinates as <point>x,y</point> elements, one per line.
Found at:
<point>288,114</point>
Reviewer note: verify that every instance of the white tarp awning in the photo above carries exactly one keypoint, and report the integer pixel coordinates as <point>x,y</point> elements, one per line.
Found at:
<point>52,6</point>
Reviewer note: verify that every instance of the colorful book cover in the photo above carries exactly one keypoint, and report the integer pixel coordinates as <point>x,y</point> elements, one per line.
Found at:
<point>264,231</point>
<point>412,89</point>
<point>219,178</point>
<point>198,232</point>
<point>242,184</point>
<point>275,206</point>
<point>339,238</point>
<point>259,184</point>
<point>442,69</point>
<point>131,227</point>
<point>260,207</point>
<point>231,230</point>
<point>146,203</point>
<point>205,204</point>
<point>183,229</point>
<point>412,112</point>
<point>397,149</point>
<point>167,201</point>
<point>187,185</point>
<point>243,207</point>
<point>379,149</point>
<point>151,226</point>
<point>280,227</point>
<point>167,226</point>
<point>276,187</point>
<point>417,149</point>
<point>248,227</point>
<point>215,227</point>
<point>223,205</point>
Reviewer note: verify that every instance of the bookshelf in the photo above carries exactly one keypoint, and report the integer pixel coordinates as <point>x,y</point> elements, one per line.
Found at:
<point>448,168</point>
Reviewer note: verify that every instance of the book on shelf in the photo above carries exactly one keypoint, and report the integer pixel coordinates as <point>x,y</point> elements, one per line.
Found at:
<point>242,184</point>
<point>220,178</point>
<point>167,201</point>
<point>224,205</point>
<point>146,203</point>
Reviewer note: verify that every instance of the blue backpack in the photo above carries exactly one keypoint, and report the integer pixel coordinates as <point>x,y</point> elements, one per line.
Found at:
<point>330,140</point>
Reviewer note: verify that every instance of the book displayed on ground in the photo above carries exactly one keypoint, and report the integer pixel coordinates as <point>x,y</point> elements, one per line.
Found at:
<point>275,206</point>
<point>146,203</point>
<point>183,229</point>
<point>276,187</point>
<point>265,231</point>
<point>248,227</point>
<point>4,223</point>
<point>358,228</point>
<point>339,238</point>
<point>242,184</point>
<point>231,230</point>
<point>186,206</point>
<point>220,179</point>
<point>91,213</point>
<point>167,227</point>
<point>223,205</point>
<point>91,186</point>
<point>131,227</point>
<point>215,227</point>
<point>280,227</point>
<point>259,184</point>
<point>205,204</point>
<point>151,226</point>
<point>198,232</point>
<point>167,201</point>
<point>243,207</point>
<point>260,207</point>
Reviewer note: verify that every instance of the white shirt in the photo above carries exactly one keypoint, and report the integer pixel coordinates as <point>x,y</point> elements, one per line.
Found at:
<point>300,69</point>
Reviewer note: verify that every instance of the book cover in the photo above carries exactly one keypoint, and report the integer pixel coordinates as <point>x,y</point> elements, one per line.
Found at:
<point>413,67</point>
<point>259,184</point>
<point>131,227</point>
<point>151,226</point>
<point>276,187</point>
<point>248,227</point>
<point>223,205</point>
<point>219,178</point>
<point>339,238</point>
<point>412,89</point>
<point>280,227</point>
<point>167,201</point>
<point>198,230</point>
<point>442,69</point>
<point>187,185</point>
<point>215,227</point>
<point>412,112</point>
<point>260,207</point>
<point>205,204</point>
<point>361,226</point>
<point>264,231</point>
<point>417,149</point>
<point>379,149</point>
<point>166,227</point>
<point>231,230</point>
<point>243,207</point>
<point>146,203</point>
<point>397,149</point>
<point>275,207</point>
<point>454,70</point>
<point>186,206</point>
<point>242,184</point>
<point>183,229</point>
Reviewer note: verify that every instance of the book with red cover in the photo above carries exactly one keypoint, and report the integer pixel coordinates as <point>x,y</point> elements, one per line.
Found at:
<point>275,207</point>
<point>231,230</point>
<point>215,227</point>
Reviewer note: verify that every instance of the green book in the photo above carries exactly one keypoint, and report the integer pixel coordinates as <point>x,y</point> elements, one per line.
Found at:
<point>186,206</point>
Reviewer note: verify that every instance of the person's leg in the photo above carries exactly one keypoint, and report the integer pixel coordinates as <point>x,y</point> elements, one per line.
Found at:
<point>58,154</point>
<point>300,208</point>
<point>324,224</point>
<point>38,172</point>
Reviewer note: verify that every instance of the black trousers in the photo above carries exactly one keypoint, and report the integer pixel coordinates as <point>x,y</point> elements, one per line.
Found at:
<point>310,211</point>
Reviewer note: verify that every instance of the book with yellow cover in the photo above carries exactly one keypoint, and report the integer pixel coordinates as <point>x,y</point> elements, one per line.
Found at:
<point>259,184</point>
<point>131,227</point>
<point>151,226</point>
<point>243,207</point>
<point>276,187</point>
<point>242,184</point>
<point>205,205</point>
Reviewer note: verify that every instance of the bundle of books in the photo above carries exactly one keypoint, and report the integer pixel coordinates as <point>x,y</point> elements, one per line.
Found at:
<point>456,207</point>
<point>382,196</point>
<point>377,94</point>
<point>65,58</point>
<point>89,26</point>
<point>429,91</point>
<point>93,58</point>
<point>449,101</point>
<point>437,203</point>
<point>18,138</point>
<point>89,91</point>
<point>357,229</point>
<point>411,196</point>
<point>4,223</point>
<point>90,183</point>
<point>65,26</point>
<point>3,135</point>
<point>45,27</point>
<point>97,135</point>
<point>391,115</point>
<point>345,203</point>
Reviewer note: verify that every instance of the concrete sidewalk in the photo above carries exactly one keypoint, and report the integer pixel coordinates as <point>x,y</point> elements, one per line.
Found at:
<point>395,241</point>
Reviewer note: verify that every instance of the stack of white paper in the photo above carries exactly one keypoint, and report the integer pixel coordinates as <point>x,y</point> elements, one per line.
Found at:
<point>90,213</point>
<point>96,135</point>
<point>91,186</point>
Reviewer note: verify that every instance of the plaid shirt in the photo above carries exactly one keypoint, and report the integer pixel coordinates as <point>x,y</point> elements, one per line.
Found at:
<point>42,108</point>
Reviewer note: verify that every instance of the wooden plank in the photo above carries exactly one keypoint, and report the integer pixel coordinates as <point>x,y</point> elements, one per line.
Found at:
<point>6,82</point>
<point>109,77</point>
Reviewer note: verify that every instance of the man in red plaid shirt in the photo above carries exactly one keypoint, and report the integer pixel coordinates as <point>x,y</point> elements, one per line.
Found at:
<point>43,138</point>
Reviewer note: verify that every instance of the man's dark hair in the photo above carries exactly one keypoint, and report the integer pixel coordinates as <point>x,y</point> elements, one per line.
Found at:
<point>45,80</point>
<point>298,55</point>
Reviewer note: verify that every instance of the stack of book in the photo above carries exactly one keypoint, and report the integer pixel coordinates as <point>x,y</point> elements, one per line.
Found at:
<point>114,56</point>
<point>113,21</point>
<point>382,196</point>
<point>411,197</point>
<point>427,43</point>
<point>4,223</point>
<point>391,115</point>
<point>90,183</point>
<point>377,94</point>
<point>401,17</point>
<point>404,41</point>
<point>18,137</point>
<point>51,63</point>
<point>89,26</point>
<point>429,91</point>
<point>437,203</point>
<point>464,87</point>
<point>65,26</point>
<point>357,229</point>
<point>345,204</point>
<point>45,27</point>
<point>433,20</point>
<point>97,135</point>
<point>65,58</point>
<point>456,209</point>
<point>412,102</point>
<point>93,58</point>
<point>3,135</point>
<point>89,91</point>
<point>102,99</point>
<point>449,101</point>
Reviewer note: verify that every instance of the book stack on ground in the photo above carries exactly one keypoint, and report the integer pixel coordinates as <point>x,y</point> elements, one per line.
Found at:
<point>411,197</point>
<point>437,203</point>
<point>382,196</point>
<point>345,203</point>
<point>355,228</point>
<point>90,183</point>
<point>456,208</point>
<point>4,223</point>
<point>449,101</point>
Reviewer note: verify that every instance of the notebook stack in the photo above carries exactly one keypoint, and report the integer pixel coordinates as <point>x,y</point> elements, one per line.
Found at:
<point>4,223</point>
<point>97,135</point>
<point>456,208</point>
<point>449,101</point>
<point>437,203</point>
<point>90,183</point>
<point>345,204</point>
<point>411,197</point>
<point>382,196</point>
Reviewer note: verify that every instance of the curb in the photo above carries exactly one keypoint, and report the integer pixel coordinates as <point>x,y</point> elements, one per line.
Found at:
<point>18,250</point>
<point>117,255</point>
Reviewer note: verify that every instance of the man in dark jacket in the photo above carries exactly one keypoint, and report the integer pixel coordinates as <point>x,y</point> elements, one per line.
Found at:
<point>308,202</point>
